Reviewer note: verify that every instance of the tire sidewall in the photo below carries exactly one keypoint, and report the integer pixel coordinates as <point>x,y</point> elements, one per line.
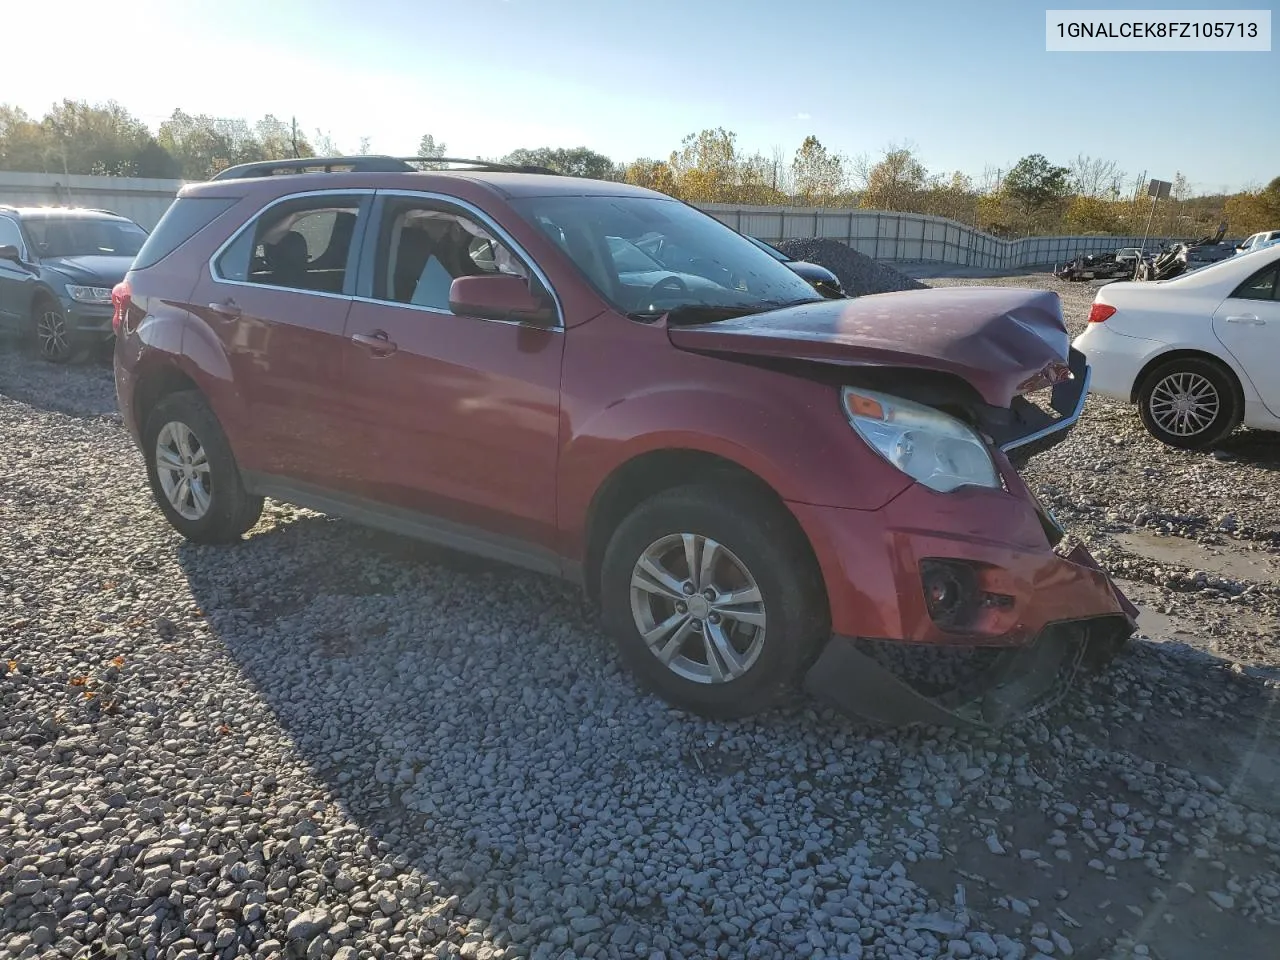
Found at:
<point>1228,403</point>
<point>227,498</point>
<point>760,539</point>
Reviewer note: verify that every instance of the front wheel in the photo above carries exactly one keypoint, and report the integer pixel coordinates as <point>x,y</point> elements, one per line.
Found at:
<point>1189,403</point>
<point>714,600</point>
<point>51,334</point>
<point>193,474</point>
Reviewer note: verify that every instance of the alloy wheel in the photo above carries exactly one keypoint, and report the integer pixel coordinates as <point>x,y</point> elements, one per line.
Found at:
<point>182,464</point>
<point>1184,404</point>
<point>698,608</point>
<point>51,334</point>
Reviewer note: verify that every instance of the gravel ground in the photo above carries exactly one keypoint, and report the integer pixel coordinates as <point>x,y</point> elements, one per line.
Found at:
<point>326,742</point>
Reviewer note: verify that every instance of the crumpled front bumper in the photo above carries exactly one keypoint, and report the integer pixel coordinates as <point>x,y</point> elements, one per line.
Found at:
<point>1059,614</point>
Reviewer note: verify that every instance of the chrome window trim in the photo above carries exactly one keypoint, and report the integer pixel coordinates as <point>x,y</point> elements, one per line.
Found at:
<point>222,248</point>
<point>498,231</point>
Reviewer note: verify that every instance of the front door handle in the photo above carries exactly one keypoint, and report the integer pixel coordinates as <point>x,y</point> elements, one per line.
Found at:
<point>1248,318</point>
<point>226,308</point>
<point>379,344</point>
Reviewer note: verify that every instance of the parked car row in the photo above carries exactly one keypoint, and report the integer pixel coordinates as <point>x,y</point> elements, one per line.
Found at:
<point>747,476</point>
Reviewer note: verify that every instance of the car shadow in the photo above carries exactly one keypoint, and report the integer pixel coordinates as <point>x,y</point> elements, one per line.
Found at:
<point>83,388</point>
<point>434,693</point>
<point>1257,448</point>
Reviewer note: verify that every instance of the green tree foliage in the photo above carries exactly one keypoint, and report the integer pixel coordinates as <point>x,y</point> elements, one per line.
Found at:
<point>1034,182</point>
<point>76,137</point>
<point>1256,210</point>
<point>574,161</point>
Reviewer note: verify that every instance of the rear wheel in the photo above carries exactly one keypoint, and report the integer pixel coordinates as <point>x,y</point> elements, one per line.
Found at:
<point>1190,403</point>
<point>193,474</point>
<point>714,599</point>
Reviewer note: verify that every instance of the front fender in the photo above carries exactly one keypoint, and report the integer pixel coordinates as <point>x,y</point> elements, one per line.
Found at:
<point>786,430</point>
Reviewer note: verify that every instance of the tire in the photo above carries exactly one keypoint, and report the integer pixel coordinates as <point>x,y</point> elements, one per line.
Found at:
<point>755,537</point>
<point>49,334</point>
<point>1204,380</point>
<point>225,511</point>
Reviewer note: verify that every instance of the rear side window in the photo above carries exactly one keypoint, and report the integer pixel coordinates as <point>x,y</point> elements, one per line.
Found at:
<point>1261,286</point>
<point>300,244</point>
<point>185,217</point>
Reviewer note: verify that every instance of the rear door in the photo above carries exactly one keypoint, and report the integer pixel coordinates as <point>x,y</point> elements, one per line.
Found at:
<point>277,296</point>
<point>459,415</point>
<point>1248,324</point>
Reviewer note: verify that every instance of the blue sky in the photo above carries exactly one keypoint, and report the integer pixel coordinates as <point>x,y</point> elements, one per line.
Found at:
<point>969,85</point>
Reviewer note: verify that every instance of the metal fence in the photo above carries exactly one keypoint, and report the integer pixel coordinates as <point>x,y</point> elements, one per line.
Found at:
<point>882,235</point>
<point>911,236</point>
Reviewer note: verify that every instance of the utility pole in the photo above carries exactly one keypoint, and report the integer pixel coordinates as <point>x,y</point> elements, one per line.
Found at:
<point>294,136</point>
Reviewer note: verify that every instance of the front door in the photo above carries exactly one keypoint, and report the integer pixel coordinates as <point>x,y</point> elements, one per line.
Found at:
<point>1248,324</point>
<point>277,300</point>
<point>460,415</point>
<point>16,280</point>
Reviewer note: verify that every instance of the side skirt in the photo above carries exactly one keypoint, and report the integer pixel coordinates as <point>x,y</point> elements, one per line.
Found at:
<point>445,533</point>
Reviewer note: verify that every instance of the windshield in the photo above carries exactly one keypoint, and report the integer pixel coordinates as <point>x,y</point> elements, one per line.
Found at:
<point>84,237</point>
<point>770,250</point>
<point>648,256</point>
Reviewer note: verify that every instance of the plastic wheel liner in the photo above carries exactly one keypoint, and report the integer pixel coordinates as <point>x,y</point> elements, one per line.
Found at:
<point>983,687</point>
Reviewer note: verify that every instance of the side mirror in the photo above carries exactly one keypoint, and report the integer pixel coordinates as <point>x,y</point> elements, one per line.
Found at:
<point>498,296</point>
<point>10,252</point>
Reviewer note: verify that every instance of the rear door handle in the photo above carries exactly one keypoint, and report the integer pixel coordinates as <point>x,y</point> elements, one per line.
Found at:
<point>1248,318</point>
<point>379,344</point>
<point>227,308</point>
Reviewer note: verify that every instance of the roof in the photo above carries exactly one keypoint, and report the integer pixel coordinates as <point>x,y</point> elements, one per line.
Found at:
<point>508,185</point>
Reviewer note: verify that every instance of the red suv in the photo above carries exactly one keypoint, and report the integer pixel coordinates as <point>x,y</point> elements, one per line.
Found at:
<point>600,382</point>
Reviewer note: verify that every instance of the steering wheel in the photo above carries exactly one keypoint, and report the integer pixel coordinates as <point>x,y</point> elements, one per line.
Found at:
<point>670,285</point>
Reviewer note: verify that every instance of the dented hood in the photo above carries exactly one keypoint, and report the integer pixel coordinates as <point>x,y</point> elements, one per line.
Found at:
<point>995,338</point>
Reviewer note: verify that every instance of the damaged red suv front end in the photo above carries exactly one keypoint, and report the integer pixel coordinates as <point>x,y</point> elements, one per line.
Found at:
<point>949,566</point>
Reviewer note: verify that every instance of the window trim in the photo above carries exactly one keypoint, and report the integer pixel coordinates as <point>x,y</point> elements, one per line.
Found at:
<point>22,237</point>
<point>374,226</point>
<point>353,255</point>
<point>1272,267</point>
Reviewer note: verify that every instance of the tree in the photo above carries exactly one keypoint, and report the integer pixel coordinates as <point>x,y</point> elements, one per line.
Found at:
<point>572,161</point>
<point>75,137</point>
<point>1254,210</point>
<point>894,182</point>
<point>705,167</point>
<point>1034,182</point>
<point>427,147</point>
<point>203,145</point>
<point>1094,177</point>
<point>819,175</point>
<point>1090,214</point>
<point>652,174</point>
<point>281,140</point>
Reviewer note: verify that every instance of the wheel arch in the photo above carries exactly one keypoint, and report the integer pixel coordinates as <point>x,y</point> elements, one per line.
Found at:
<point>154,384</point>
<point>651,472</point>
<point>1188,353</point>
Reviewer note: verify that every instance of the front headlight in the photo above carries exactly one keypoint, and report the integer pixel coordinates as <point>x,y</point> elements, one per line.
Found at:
<point>89,294</point>
<point>925,444</point>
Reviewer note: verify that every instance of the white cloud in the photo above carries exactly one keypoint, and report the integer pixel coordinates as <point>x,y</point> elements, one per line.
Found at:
<point>802,116</point>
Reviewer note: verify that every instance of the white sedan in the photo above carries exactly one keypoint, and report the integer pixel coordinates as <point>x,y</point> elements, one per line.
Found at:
<point>1199,354</point>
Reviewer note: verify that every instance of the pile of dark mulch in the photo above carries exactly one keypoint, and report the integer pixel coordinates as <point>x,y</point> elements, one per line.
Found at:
<point>858,273</point>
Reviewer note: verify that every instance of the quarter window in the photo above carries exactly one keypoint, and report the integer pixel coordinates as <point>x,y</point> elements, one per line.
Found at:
<point>423,247</point>
<point>1261,286</point>
<point>302,244</point>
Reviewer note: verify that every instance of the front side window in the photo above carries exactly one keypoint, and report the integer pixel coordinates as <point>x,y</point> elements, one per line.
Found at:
<point>10,235</point>
<point>54,237</point>
<point>1261,286</point>
<point>302,244</point>
<point>694,268</point>
<point>423,247</point>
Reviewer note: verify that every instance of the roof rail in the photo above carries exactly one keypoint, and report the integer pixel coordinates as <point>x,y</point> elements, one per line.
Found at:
<point>367,163</point>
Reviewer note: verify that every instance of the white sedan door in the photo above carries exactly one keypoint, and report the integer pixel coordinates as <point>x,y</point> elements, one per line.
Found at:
<point>1248,325</point>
